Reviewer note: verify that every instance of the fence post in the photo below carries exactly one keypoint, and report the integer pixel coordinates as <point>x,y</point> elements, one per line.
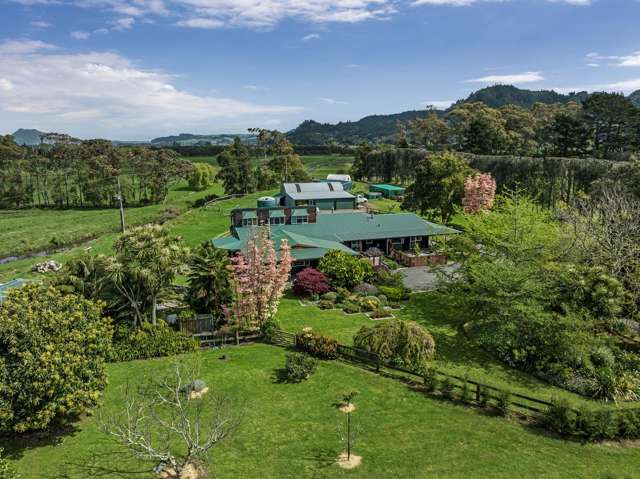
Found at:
<point>377,363</point>
<point>478,392</point>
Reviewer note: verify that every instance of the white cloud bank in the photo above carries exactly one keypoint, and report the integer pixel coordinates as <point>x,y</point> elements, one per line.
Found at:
<point>515,78</point>
<point>103,93</point>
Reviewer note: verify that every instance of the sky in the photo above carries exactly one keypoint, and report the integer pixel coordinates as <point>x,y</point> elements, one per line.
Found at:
<point>138,69</point>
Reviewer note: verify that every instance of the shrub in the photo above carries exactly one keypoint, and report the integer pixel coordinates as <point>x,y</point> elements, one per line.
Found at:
<point>485,396</point>
<point>366,289</point>
<point>383,299</point>
<point>310,282</point>
<point>352,308</point>
<point>330,296</point>
<point>503,401</point>
<point>560,417</point>
<point>380,313</point>
<point>628,424</point>
<point>344,270</point>
<point>388,278</point>
<point>150,341</point>
<point>370,303</point>
<point>52,361</point>
<point>6,470</point>
<point>298,367</point>
<point>446,388</point>
<point>317,345</point>
<point>430,377</point>
<point>343,293</point>
<point>403,342</point>
<point>326,304</point>
<point>200,202</point>
<point>393,293</point>
<point>466,395</point>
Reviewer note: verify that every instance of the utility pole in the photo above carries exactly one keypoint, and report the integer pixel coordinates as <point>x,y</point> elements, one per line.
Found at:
<point>118,197</point>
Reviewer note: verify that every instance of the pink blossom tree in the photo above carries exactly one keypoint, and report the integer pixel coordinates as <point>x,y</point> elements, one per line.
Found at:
<point>479,193</point>
<point>258,281</point>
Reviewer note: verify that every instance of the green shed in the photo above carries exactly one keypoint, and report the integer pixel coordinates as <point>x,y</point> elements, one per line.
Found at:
<point>388,191</point>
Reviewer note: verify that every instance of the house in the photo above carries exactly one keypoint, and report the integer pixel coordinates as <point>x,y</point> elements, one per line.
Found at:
<point>323,195</point>
<point>347,182</point>
<point>312,237</point>
<point>388,191</point>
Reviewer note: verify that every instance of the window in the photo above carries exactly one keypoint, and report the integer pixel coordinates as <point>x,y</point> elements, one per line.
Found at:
<point>249,221</point>
<point>276,221</point>
<point>356,245</point>
<point>368,242</point>
<point>298,220</point>
<point>414,240</point>
<point>397,243</point>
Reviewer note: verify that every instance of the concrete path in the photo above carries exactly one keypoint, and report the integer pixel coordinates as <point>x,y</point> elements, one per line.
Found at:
<point>422,278</point>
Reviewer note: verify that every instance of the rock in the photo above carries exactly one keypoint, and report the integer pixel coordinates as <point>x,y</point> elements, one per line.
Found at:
<point>46,267</point>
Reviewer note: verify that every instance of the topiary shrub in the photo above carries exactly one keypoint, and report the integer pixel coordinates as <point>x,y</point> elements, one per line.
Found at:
<point>352,308</point>
<point>343,293</point>
<point>365,289</point>
<point>326,304</point>
<point>369,303</point>
<point>299,367</point>
<point>310,282</point>
<point>53,349</point>
<point>150,341</point>
<point>345,270</point>
<point>394,293</point>
<point>402,342</point>
<point>380,313</point>
<point>317,345</point>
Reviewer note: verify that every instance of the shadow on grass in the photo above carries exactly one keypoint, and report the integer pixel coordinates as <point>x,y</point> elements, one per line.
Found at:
<point>108,461</point>
<point>15,446</point>
<point>322,458</point>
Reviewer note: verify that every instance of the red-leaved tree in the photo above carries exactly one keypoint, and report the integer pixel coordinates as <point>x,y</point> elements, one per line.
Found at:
<point>258,281</point>
<point>479,193</point>
<point>310,281</point>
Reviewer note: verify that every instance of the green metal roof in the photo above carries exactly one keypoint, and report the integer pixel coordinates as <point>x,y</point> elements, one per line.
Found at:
<point>249,215</point>
<point>386,187</point>
<point>14,283</point>
<point>276,213</point>
<point>299,212</point>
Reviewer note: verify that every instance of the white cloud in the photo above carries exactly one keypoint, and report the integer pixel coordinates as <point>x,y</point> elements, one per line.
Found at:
<point>255,87</point>
<point>632,60</point>
<point>623,86</point>
<point>331,101</point>
<point>593,65</point>
<point>466,3</point>
<point>311,36</point>
<point>80,35</point>
<point>438,104</point>
<point>40,24</point>
<point>353,65</point>
<point>516,78</point>
<point>117,96</point>
<point>205,23</point>
<point>124,23</point>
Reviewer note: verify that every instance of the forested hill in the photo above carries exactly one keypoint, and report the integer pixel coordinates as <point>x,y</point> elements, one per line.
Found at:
<point>383,128</point>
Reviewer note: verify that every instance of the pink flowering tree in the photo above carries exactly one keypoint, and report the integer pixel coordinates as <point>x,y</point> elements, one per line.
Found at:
<point>258,281</point>
<point>479,193</point>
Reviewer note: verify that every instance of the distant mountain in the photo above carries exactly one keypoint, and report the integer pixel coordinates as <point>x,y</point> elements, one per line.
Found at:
<point>635,98</point>
<point>189,139</point>
<point>382,128</point>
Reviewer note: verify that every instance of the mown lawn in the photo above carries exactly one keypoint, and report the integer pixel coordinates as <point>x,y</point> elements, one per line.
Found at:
<point>291,431</point>
<point>319,166</point>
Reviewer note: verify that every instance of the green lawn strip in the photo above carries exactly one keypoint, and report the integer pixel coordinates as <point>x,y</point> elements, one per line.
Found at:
<point>319,166</point>
<point>291,431</point>
<point>456,354</point>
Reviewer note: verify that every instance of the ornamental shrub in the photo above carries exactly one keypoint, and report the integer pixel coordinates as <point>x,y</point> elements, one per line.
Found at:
<point>344,270</point>
<point>268,329</point>
<point>380,313</point>
<point>366,289</point>
<point>299,366</point>
<point>394,293</point>
<point>370,303</point>
<point>405,343</point>
<point>52,362</point>
<point>352,308</point>
<point>330,296</point>
<point>326,304</point>
<point>560,417</point>
<point>310,282</point>
<point>150,341</point>
<point>6,471</point>
<point>503,401</point>
<point>317,345</point>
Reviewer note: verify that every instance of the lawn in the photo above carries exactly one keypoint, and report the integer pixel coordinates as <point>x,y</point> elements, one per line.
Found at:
<point>290,431</point>
<point>321,165</point>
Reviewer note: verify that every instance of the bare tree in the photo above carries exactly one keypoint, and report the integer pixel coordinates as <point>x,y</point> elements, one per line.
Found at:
<point>164,421</point>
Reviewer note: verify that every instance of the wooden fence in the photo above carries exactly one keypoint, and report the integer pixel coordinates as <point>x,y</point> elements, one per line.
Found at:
<point>520,403</point>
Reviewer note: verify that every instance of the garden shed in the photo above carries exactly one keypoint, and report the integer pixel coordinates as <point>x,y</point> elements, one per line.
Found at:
<point>388,191</point>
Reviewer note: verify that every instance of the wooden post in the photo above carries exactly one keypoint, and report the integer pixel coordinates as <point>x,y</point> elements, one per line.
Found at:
<point>477,393</point>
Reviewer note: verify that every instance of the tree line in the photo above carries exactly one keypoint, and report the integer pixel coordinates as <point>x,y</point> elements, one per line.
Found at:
<point>85,174</point>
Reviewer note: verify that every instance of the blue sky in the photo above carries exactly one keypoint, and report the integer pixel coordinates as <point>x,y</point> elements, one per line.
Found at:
<point>136,69</point>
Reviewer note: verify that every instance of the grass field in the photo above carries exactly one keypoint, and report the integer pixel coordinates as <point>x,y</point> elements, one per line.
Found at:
<point>291,431</point>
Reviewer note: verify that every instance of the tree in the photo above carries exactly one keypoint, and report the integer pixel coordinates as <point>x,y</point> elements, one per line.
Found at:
<point>209,280</point>
<point>147,260</point>
<point>164,422</point>
<point>439,186</point>
<point>479,193</point>
<point>345,270</point>
<point>235,169</point>
<point>284,162</point>
<point>431,132</point>
<point>201,176</point>
<point>358,168</point>
<point>479,129</point>
<point>52,367</point>
<point>613,120</point>
<point>258,281</point>
<point>310,282</point>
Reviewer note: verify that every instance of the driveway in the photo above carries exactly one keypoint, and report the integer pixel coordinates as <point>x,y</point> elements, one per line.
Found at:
<point>423,278</point>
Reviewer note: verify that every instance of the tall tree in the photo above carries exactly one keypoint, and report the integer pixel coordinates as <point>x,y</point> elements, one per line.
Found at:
<point>431,132</point>
<point>209,280</point>
<point>235,169</point>
<point>613,119</point>
<point>439,186</point>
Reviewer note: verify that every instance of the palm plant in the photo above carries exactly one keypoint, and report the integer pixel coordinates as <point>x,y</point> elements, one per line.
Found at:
<point>209,285</point>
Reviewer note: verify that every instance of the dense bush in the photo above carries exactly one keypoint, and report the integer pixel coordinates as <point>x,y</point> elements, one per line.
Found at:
<point>344,270</point>
<point>310,282</point>
<point>394,293</point>
<point>402,342</point>
<point>201,176</point>
<point>326,304</point>
<point>209,280</point>
<point>503,401</point>
<point>352,308</point>
<point>366,289</point>
<point>52,363</point>
<point>299,366</point>
<point>268,329</point>
<point>150,341</point>
<point>380,313</point>
<point>6,471</point>
<point>317,345</point>
<point>369,303</point>
<point>200,202</point>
